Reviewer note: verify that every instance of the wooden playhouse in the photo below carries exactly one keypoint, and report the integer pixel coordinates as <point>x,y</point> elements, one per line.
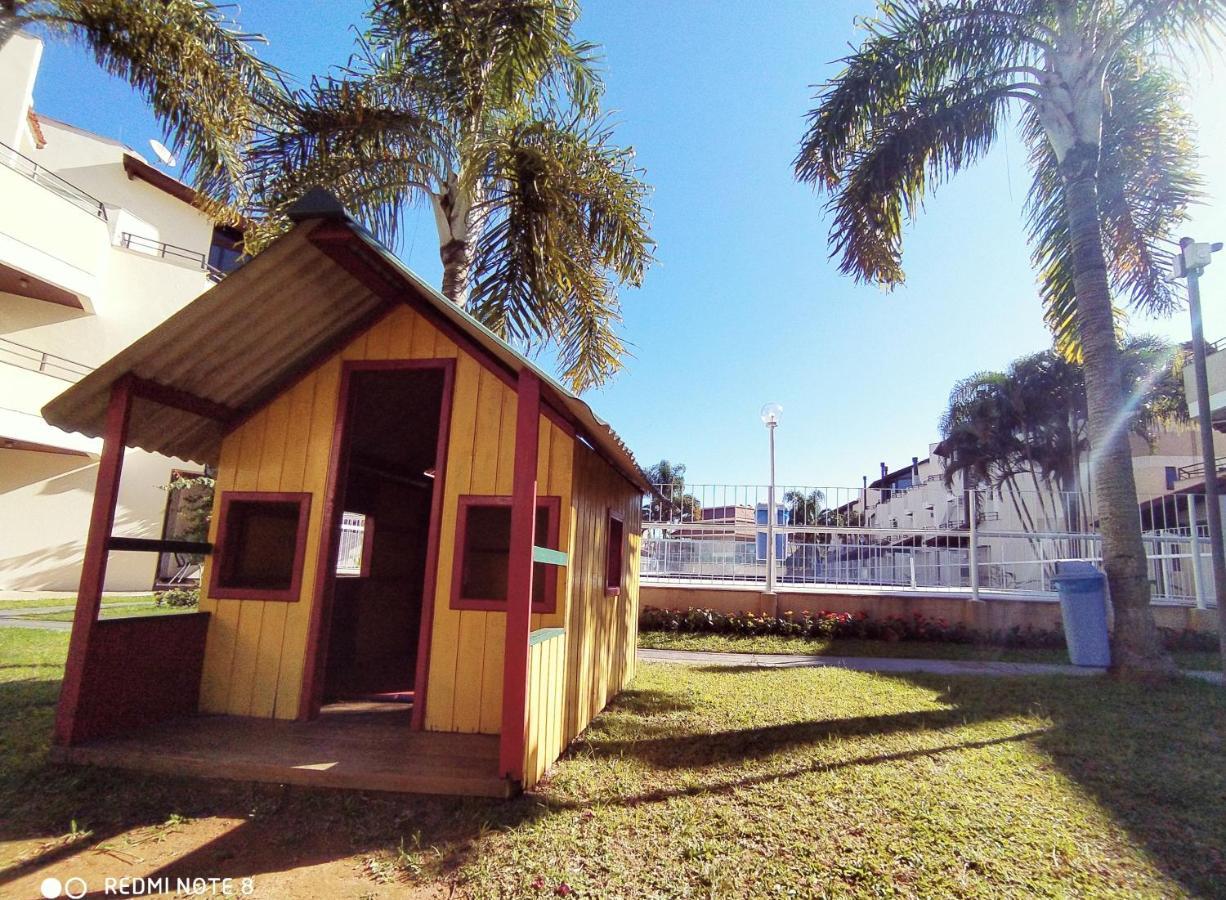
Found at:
<point>422,570</point>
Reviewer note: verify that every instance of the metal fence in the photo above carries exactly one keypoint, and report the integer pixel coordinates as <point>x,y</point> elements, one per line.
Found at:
<point>23,165</point>
<point>353,541</point>
<point>913,537</point>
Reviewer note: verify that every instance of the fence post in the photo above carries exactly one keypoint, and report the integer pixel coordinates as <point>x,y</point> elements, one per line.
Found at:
<point>1197,573</point>
<point>973,515</point>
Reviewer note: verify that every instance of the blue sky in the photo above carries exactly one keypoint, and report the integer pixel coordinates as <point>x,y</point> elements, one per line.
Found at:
<point>743,305</point>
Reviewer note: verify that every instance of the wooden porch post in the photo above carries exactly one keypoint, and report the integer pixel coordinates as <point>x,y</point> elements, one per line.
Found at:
<point>519,580</point>
<point>93,569</point>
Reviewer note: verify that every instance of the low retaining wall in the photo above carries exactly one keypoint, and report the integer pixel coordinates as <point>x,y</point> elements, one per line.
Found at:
<point>991,614</point>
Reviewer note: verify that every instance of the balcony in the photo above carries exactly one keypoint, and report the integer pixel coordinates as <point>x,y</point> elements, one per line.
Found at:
<point>51,233</point>
<point>23,357</point>
<point>181,255</point>
<point>28,168</point>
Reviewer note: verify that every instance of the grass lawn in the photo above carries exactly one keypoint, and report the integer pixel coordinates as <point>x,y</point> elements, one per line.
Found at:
<point>116,612</point>
<point>695,783</point>
<point>769,643</point>
<point>67,601</point>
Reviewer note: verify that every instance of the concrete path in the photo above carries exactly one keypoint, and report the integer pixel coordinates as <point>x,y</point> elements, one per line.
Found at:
<point>880,664</point>
<point>14,622</point>
<point>12,618</point>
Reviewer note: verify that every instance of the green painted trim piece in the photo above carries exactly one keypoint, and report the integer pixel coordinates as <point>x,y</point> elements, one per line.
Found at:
<point>549,557</point>
<point>544,634</point>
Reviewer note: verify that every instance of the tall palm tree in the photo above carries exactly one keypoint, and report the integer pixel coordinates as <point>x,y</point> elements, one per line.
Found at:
<point>930,89</point>
<point>487,110</point>
<point>187,58</point>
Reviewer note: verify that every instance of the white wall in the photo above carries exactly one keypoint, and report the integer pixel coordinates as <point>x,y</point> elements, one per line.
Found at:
<point>18,69</point>
<point>45,497</point>
<point>45,502</point>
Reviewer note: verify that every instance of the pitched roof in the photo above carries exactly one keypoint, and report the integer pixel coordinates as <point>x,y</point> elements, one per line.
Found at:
<point>247,339</point>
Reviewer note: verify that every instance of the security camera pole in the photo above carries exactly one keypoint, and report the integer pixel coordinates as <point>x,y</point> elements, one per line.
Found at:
<point>1190,263</point>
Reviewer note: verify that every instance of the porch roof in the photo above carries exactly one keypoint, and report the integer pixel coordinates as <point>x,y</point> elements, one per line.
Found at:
<point>241,343</point>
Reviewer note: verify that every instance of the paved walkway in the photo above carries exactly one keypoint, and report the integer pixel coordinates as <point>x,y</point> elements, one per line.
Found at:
<point>12,618</point>
<point>879,664</point>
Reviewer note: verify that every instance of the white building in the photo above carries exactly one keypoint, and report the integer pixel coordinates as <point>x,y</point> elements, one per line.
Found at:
<point>915,501</point>
<point>97,247</point>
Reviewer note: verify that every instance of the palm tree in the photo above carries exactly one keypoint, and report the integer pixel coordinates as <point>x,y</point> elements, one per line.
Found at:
<point>1023,433</point>
<point>189,61</point>
<point>927,93</point>
<point>489,112</point>
<point>669,501</point>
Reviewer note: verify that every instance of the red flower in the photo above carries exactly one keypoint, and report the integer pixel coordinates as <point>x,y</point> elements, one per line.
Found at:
<point>563,890</point>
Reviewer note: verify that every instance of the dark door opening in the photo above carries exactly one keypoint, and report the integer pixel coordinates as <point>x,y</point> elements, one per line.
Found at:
<point>385,489</point>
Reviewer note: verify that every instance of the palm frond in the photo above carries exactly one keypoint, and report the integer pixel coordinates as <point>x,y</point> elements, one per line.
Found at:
<point>194,66</point>
<point>565,223</point>
<point>922,97</point>
<point>362,138</point>
<point>1147,180</point>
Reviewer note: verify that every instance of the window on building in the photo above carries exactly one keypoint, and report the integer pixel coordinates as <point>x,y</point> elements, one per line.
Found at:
<point>483,544</point>
<point>226,249</point>
<point>260,546</point>
<point>614,554</point>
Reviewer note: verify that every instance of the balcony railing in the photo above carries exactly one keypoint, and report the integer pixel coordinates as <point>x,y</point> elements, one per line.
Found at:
<point>1197,470</point>
<point>23,165</point>
<point>15,354</point>
<point>169,251</point>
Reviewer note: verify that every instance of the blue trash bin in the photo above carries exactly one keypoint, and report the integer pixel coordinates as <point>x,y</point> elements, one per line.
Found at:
<point>1083,606</point>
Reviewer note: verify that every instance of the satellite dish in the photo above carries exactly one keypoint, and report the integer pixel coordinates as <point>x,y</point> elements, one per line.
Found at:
<point>160,151</point>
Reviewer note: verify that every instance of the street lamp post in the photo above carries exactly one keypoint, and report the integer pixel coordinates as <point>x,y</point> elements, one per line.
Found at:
<point>770,418</point>
<point>1190,263</point>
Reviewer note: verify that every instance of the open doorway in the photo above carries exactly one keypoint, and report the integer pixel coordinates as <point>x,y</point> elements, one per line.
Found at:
<point>385,490</point>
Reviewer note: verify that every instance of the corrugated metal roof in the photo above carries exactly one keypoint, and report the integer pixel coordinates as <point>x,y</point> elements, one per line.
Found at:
<point>255,329</point>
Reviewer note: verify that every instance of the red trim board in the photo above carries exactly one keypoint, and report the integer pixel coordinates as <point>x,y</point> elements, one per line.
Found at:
<point>513,736</point>
<point>218,589</point>
<point>321,609</point>
<point>93,569</point>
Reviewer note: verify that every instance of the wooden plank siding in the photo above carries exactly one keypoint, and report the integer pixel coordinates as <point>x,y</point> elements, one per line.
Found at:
<point>601,630</point>
<point>255,652</point>
<point>546,706</point>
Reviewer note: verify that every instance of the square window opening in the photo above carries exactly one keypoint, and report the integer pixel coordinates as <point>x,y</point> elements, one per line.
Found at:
<point>484,552</point>
<point>260,546</point>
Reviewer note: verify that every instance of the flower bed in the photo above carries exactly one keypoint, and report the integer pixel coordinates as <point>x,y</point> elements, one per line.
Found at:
<point>826,625</point>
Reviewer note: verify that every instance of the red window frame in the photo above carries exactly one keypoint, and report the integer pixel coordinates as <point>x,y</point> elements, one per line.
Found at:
<point>218,588</point>
<point>614,552</point>
<point>553,506</point>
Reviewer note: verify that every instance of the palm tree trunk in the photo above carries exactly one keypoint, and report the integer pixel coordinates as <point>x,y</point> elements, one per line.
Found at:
<point>454,217</point>
<point>1136,649</point>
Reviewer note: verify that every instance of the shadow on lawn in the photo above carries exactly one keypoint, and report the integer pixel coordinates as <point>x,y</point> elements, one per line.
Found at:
<point>1153,757</point>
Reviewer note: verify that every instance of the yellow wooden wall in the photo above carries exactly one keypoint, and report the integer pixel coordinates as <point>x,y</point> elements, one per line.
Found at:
<point>546,706</point>
<point>255,653</point>
<point>601,631</point>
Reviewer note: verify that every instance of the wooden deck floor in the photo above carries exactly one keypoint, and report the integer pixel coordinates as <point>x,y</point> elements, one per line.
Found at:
<point>366,746</point>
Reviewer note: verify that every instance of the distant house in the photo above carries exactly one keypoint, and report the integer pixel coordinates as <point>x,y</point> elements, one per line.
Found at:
<point>489,610</point>
<point>97,247</point>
